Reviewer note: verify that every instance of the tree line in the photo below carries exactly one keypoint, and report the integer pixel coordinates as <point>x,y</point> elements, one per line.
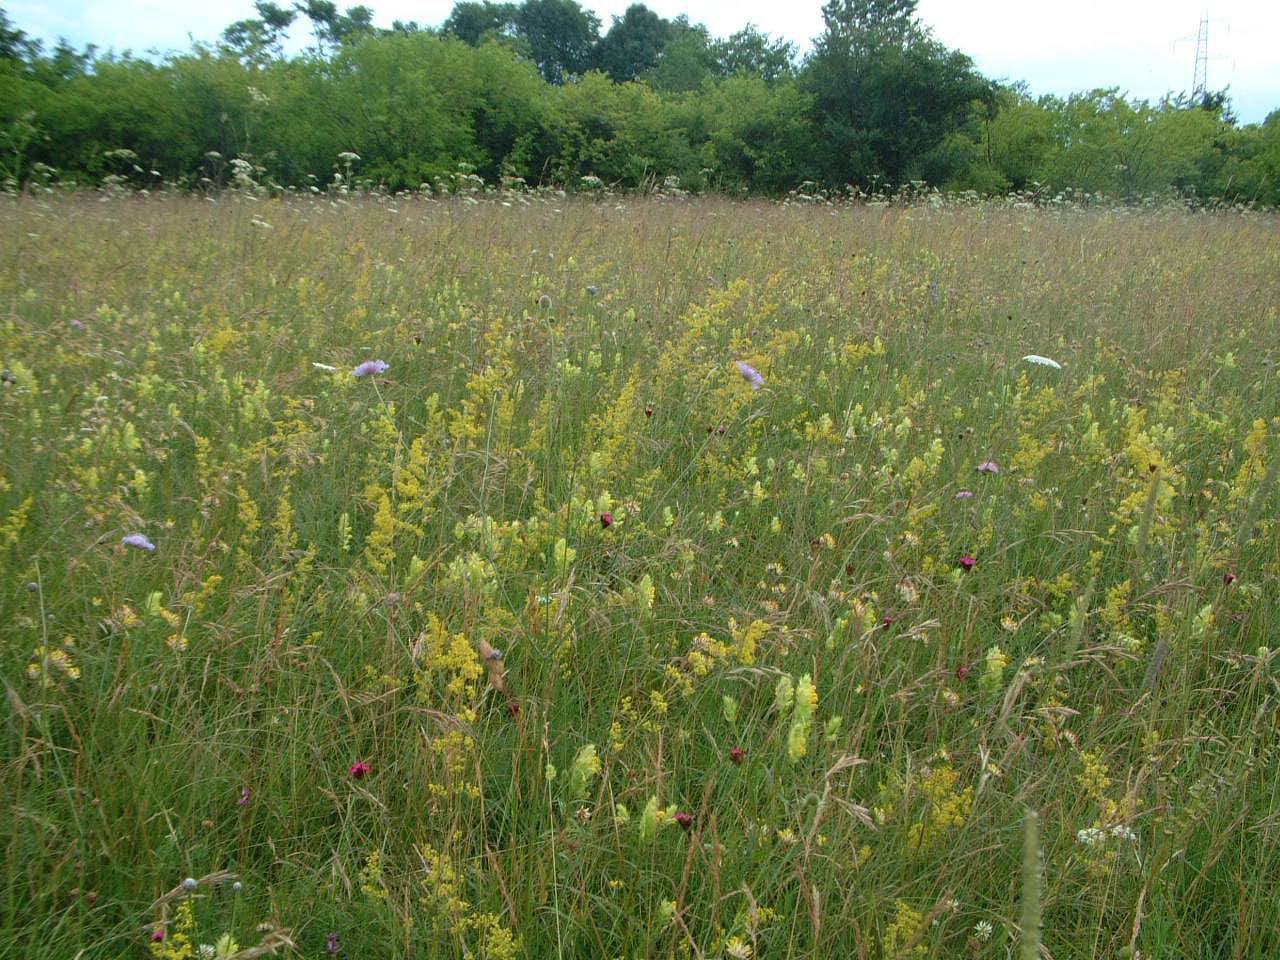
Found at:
<point>539,93</point>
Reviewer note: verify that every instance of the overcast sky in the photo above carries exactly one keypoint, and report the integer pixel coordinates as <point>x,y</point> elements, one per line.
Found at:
<point>1146,47</point>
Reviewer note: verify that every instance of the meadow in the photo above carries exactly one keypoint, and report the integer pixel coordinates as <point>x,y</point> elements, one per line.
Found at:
<point>526,576</point>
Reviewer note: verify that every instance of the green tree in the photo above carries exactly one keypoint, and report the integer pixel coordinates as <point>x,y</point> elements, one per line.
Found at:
<point>474,22</point>
<point>885,92</point>
<point>686,61</point>
<point>633,44</point>
<point>14,44</point>
<point>257,39</point>
<point>330,28</point>
<point>760,136</point>
<point>560,36</point>
<point>754,54</point>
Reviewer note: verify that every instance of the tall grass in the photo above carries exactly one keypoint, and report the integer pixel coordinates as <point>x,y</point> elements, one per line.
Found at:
<point>558,639</point>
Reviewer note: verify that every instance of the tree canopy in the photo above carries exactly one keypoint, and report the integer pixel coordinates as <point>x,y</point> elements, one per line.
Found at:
<point>533,91</point>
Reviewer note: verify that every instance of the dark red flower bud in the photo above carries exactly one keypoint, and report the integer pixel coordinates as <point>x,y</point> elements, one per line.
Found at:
<point>963,671</point>
<point>684,819</point>
<point>606,519</point>
<point>737,755</point>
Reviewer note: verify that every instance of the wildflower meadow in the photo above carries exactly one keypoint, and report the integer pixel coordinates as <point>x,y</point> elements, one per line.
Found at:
<point>519,575</point>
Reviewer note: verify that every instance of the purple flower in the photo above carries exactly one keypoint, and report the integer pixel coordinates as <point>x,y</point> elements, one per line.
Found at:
<point>750,373</point>
<point>368,367</point>
<point>139,541</point>
<point>331,944</point>
<point>989,466</point>
<point>360,770</point>
<point>244,797</point>
<point>968,562</point>
<point>964,495</point>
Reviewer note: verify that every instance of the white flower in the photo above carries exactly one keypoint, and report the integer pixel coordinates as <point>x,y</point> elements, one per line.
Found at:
<point>982,930</point>
<point>1091,836</point>
<point>1041,361</point>
<point>324,366</point>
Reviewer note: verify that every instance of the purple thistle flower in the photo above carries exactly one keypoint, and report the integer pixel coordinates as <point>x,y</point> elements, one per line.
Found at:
<point>989,466</point>
<point>139,541</point>
<point>750,373</point>
<point>368,367</point>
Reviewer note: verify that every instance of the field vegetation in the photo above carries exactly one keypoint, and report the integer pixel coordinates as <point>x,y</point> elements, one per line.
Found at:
<point>522,576</point>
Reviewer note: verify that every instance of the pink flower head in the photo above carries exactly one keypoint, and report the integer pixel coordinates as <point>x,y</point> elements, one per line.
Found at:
<point>749,373</point>
<point>988,466</point>
<point>157,935</point>
<point>360,769</point>
<point>368,367</point>
<point>737,755</point>
<point>964,495</point>
<point>963,671</point>
<point>138,541</point>
<point>1228,579</point>
<point>606,519</point>
<point>684,819</point>
<point>968,562</point>
<point>244,797</point>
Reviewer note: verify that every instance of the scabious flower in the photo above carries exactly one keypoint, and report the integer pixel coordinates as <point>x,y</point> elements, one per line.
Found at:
<point>369,367</point>
<point>138,541</point>
<point>988,466</point>
<point>360,769</point>
<point>750,374</point>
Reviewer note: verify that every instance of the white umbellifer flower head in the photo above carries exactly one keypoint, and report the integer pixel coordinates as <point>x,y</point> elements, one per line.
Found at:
<point>1041,361</point>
